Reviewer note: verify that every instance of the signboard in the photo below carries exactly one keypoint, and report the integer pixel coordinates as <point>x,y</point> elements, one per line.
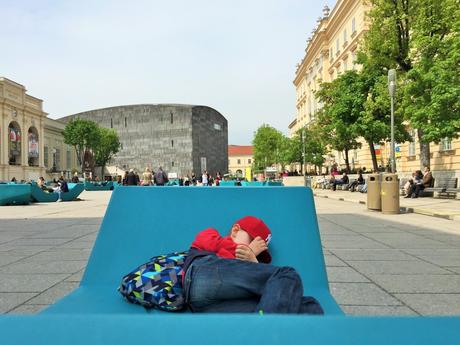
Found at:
<point>398,151</point>
<point>33,145</point>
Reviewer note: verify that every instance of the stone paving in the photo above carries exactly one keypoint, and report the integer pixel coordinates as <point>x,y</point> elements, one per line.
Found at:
<point>406,264</point>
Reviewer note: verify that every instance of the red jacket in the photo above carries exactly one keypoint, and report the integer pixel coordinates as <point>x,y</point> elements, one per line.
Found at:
<point>210,240</point>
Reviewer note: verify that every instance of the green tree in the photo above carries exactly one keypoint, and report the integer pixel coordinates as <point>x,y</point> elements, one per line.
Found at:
<point>269,146</point>
<point>420,39</point>
<point>108,146</point>
<point>432,89</point>
<point>313,144</point>
<point>83,135</point>
<point>342,106</point>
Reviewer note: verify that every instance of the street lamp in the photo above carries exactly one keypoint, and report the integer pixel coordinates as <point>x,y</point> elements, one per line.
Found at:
<point>303,158</point>
<point>392,91</point>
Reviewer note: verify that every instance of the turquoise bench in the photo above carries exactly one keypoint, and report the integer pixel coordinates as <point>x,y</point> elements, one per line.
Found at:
<point>131,233</point>
<point>95,186</point>
<point>229,329</point>
<point>38,195</point>
<point>227,183</point>
<point>14,194</point>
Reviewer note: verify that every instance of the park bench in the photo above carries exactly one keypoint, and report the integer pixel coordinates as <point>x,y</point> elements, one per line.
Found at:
<point>130,234</point>
<point>443,186</point>
<point>14,194</point>
<point>38,195</point>
<point>95,186</point>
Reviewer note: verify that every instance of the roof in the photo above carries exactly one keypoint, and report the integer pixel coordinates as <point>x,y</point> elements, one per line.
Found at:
<point>237,150</point>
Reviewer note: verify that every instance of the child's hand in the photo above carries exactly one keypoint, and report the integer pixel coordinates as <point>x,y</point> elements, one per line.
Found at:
<point>258,245</point>
<point>245,253</point>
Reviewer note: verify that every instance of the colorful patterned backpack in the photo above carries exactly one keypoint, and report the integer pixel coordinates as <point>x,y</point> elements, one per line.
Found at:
<point>157,283</point>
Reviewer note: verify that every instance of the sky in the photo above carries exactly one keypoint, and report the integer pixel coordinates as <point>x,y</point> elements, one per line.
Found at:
<point>238,57</point>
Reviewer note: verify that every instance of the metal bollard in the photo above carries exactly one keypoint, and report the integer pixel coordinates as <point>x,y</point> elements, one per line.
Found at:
<point>390,194</point>
<point>373,192</point>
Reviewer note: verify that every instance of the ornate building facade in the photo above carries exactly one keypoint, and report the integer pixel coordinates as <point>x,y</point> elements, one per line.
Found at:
<point>31,144</point>
<point>331,50</point>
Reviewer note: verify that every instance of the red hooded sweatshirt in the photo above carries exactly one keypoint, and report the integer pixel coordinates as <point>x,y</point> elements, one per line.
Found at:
<point>211,241</point>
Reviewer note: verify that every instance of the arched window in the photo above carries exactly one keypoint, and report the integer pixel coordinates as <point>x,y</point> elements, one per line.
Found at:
<point>14,143</point>
<point>32,136</point>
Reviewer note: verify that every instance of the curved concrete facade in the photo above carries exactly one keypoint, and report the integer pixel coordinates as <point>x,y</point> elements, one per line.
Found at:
<point>180,138</point>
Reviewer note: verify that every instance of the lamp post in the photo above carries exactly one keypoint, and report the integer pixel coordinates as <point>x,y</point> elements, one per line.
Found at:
<point>303,158</point>
<point>392,91</point>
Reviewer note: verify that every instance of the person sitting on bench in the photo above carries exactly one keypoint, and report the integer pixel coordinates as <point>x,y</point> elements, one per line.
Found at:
<point>417,185</point>
<point>343,180</point>
<point>233,274</point>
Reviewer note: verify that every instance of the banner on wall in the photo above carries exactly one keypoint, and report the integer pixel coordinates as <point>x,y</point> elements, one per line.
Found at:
<point>15,142</point>
<point>33,145</point>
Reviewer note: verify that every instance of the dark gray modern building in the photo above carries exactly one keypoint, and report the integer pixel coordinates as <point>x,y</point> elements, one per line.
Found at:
<point>180,138</point>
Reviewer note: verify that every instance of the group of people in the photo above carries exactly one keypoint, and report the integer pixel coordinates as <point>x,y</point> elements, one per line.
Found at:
<point>160,178</point>
<point>418,183</point>
<point>333,181</point>
<point>59,187</point>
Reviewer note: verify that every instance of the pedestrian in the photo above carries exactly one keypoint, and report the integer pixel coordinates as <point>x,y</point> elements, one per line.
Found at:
<point>160,177</point>
<point>204,178</point>
<point>131,179</point>
<point>147,177</point>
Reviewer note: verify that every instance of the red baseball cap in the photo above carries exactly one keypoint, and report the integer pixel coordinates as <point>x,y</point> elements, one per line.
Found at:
<point>256,227</point>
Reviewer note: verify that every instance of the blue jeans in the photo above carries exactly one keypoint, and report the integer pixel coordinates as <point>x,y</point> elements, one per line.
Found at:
<point>217,285</point>
<point>59,193</point>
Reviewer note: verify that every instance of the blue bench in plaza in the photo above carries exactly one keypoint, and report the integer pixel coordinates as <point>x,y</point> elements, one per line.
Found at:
<point>130,234</point>
<point>95,186</point>
<point>14,194</point>
<point>39,195</point>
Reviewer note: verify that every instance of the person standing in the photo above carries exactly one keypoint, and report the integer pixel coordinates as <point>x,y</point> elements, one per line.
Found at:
<point>160,177</point>
<point>147,177</point>
<point>204,178</point>
<point>131,178</point>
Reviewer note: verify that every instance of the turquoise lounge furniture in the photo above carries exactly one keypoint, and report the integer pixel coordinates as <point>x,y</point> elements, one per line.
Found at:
<point>227,183</point>
<point>130,233</point>
<point>38,195</point>
<point>116,252</point>
<point>14,194</point>
<point>95,186</point>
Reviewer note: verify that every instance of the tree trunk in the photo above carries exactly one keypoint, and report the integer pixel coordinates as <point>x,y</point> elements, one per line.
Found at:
<point>424,151</point>
<point>102,172</point>
<point>375,165</point>
<point>347,161</point>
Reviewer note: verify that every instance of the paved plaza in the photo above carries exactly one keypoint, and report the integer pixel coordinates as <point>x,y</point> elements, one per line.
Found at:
<point>406,264</point>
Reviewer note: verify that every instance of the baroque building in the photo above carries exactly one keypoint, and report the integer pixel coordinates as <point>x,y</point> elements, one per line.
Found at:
<point>331,50</point>
<point>31,144</point>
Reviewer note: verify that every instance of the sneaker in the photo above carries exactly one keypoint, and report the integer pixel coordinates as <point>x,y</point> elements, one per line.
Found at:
<point>58,200</point>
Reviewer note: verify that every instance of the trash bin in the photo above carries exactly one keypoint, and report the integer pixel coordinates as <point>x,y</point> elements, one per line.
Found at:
<point>308,181</point>
<point>390,194</point>
<point>373,192</point>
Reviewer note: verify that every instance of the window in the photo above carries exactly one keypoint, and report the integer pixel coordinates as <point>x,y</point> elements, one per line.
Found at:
<point>217,127</point>
<point>337,46</point>
<point>126,122</point>
<point>229,162</point>
<point>331,53</point>
<point>45,156</point>
<point>172,118</point>
<point>353,25</point>
<point>249,161</point>
<point>172,164</point>
<point>345,36</point>
<point>445,144</point>
<point>355,154</point>
<point>172,143</point>
<point>58,159</point>
<point>111,123</point>
<point>69,160</point>
<point>239,161</point>
<point>345,65</point>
